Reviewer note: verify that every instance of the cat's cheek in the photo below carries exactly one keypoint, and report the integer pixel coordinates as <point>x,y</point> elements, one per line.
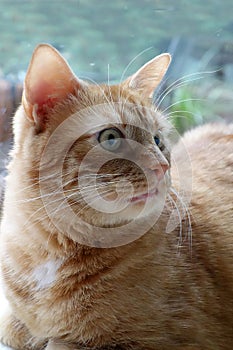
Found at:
<point>5,306</point>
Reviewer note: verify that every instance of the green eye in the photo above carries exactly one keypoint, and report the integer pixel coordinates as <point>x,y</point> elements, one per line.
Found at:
<point>110,139</point>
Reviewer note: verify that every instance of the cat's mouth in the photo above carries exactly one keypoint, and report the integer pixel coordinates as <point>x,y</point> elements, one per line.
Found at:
<point>144,196</point>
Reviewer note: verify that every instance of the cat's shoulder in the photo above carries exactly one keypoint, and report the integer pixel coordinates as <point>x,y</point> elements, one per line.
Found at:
<point>208,135</point>
<point>204,159</point>
<point>210,143</point>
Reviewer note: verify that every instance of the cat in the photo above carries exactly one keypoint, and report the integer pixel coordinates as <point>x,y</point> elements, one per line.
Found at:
<point>98,249</point>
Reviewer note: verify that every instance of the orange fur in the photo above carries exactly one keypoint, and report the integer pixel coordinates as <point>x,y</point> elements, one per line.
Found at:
<point>64,294</point>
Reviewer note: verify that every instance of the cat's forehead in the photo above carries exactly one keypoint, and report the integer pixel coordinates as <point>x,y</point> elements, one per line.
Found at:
<point>128,116</point>
<point>123,109</point>
<point>138,115</point>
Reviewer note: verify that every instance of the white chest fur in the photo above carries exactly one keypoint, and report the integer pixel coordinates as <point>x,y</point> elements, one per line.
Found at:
<point>45,274</point>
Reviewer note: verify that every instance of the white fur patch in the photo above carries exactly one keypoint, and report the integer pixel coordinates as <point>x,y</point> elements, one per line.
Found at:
<point>5,306</point>
<point>4,309</point>
<point>45,274</point>
<point>4,347</point>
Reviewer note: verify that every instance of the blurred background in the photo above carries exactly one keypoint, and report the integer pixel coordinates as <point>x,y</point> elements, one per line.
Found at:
<point>105,40</point>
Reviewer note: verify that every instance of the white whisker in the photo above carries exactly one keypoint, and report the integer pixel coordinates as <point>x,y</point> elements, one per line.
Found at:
<point>183,81</point>
<point>132,61</point>
<point>174,88</point>
<point>184,100</point>
<point>180,220</point>
<point>185,214</point>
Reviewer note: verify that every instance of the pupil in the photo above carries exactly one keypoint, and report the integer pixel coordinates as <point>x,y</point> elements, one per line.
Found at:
<point>157,140</point>
<point>111,139</point>
<point>111,136</point>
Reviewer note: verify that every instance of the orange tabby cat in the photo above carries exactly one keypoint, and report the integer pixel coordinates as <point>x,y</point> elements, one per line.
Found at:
<point>89,255</point>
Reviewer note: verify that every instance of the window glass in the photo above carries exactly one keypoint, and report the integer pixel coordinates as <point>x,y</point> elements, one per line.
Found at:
<point>108,40</point>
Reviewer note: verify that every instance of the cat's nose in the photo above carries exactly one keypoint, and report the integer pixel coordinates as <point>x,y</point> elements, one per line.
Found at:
<point>160,170</point>
<point>156,165</point>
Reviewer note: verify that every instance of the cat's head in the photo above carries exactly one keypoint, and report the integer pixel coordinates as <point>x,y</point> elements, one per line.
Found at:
<point>99,151</point>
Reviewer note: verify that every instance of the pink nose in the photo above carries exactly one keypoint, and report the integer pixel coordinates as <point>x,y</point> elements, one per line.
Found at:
<point>160,171</point>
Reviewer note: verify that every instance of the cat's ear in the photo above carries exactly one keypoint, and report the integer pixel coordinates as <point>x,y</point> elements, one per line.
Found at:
<point>148,77</point>
<point>49,80</point>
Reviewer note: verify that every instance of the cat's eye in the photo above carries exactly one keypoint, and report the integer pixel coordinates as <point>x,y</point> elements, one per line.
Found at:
<point>110,139</point>
<point>158,142</point>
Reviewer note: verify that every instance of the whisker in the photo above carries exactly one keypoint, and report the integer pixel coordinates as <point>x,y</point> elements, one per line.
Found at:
<point>63,204</point>
<point>41,179</point>
<point>177,113</point>
<point>92,201</point>
<point>180,221</point>
<point>132,61</point>
<point>184,100</point>
<point>60,206</point>
<point>78,213</point>
<point>125,71</point>
<point>109,88</point>
<point>186,214</point>
<point>76,188</point>
<point>174,88</point>
<point>103,92</point>
<point>90,187</point>
<point>180,81</point>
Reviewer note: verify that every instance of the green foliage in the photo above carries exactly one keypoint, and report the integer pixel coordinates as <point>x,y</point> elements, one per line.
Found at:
<point>196,104</point>
<point>185,110</point>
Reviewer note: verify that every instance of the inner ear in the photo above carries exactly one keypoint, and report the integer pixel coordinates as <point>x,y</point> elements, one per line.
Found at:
<point>49,80</point>
<point>149,76</point>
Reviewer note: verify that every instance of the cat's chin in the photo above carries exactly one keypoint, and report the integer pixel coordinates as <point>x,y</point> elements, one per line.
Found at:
<point>132,208</point>
<point>139,207</point>
<point>104,230</point>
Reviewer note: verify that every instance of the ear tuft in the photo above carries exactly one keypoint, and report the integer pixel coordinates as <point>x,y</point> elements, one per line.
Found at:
<point>148,77</point>
<point>48,81</point>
